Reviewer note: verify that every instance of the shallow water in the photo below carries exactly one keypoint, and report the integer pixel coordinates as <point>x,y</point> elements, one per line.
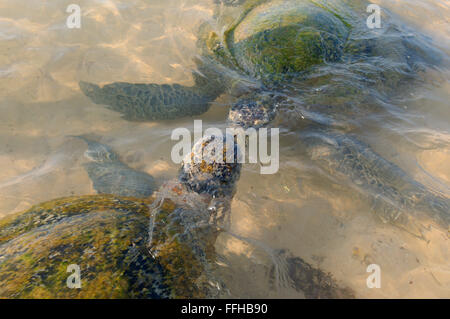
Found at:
<point>299,208</point>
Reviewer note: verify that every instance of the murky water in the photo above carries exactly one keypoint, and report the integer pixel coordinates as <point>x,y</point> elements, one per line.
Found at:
<point>299,209</point>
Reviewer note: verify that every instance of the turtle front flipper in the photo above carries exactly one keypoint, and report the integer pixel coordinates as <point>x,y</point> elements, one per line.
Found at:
<point>393,193</point>
<point>138,102</point>
<point>110,176</point>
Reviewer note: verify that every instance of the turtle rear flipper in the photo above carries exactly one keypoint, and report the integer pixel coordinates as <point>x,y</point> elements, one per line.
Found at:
<point>394,194</point>
<point>314,282</point>
<point>150,101</point>
<point>437,205</point>
<point>110,176</point>
<point>289,271</point>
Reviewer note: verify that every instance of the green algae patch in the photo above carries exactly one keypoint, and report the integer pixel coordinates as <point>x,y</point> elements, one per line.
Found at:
<point>55,210</point>
<point>277,40</point>
<point>103,234</point>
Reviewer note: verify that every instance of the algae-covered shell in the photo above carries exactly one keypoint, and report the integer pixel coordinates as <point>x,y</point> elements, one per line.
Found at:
<point>107,237</point>
<point>278,38</point>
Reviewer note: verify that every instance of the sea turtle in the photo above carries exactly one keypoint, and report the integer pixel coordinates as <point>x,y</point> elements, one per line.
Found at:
<point>254,45</point>
<point>161,246</point>
<point>108,235</point>
<point>317,58</point>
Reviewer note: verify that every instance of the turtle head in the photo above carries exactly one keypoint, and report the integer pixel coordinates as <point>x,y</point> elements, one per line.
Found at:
<point>254,110</point>
<point>212,167</point>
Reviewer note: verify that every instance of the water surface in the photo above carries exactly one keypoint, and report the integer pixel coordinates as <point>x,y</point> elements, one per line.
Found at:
<point>299,209</point>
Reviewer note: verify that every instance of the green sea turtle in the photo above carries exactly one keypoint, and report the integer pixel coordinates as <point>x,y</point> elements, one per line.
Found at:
<point>161,246</point>
<point>315,59</point>
<point>262,45</point>
<point>240,60</point>
<point>108,236</point>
